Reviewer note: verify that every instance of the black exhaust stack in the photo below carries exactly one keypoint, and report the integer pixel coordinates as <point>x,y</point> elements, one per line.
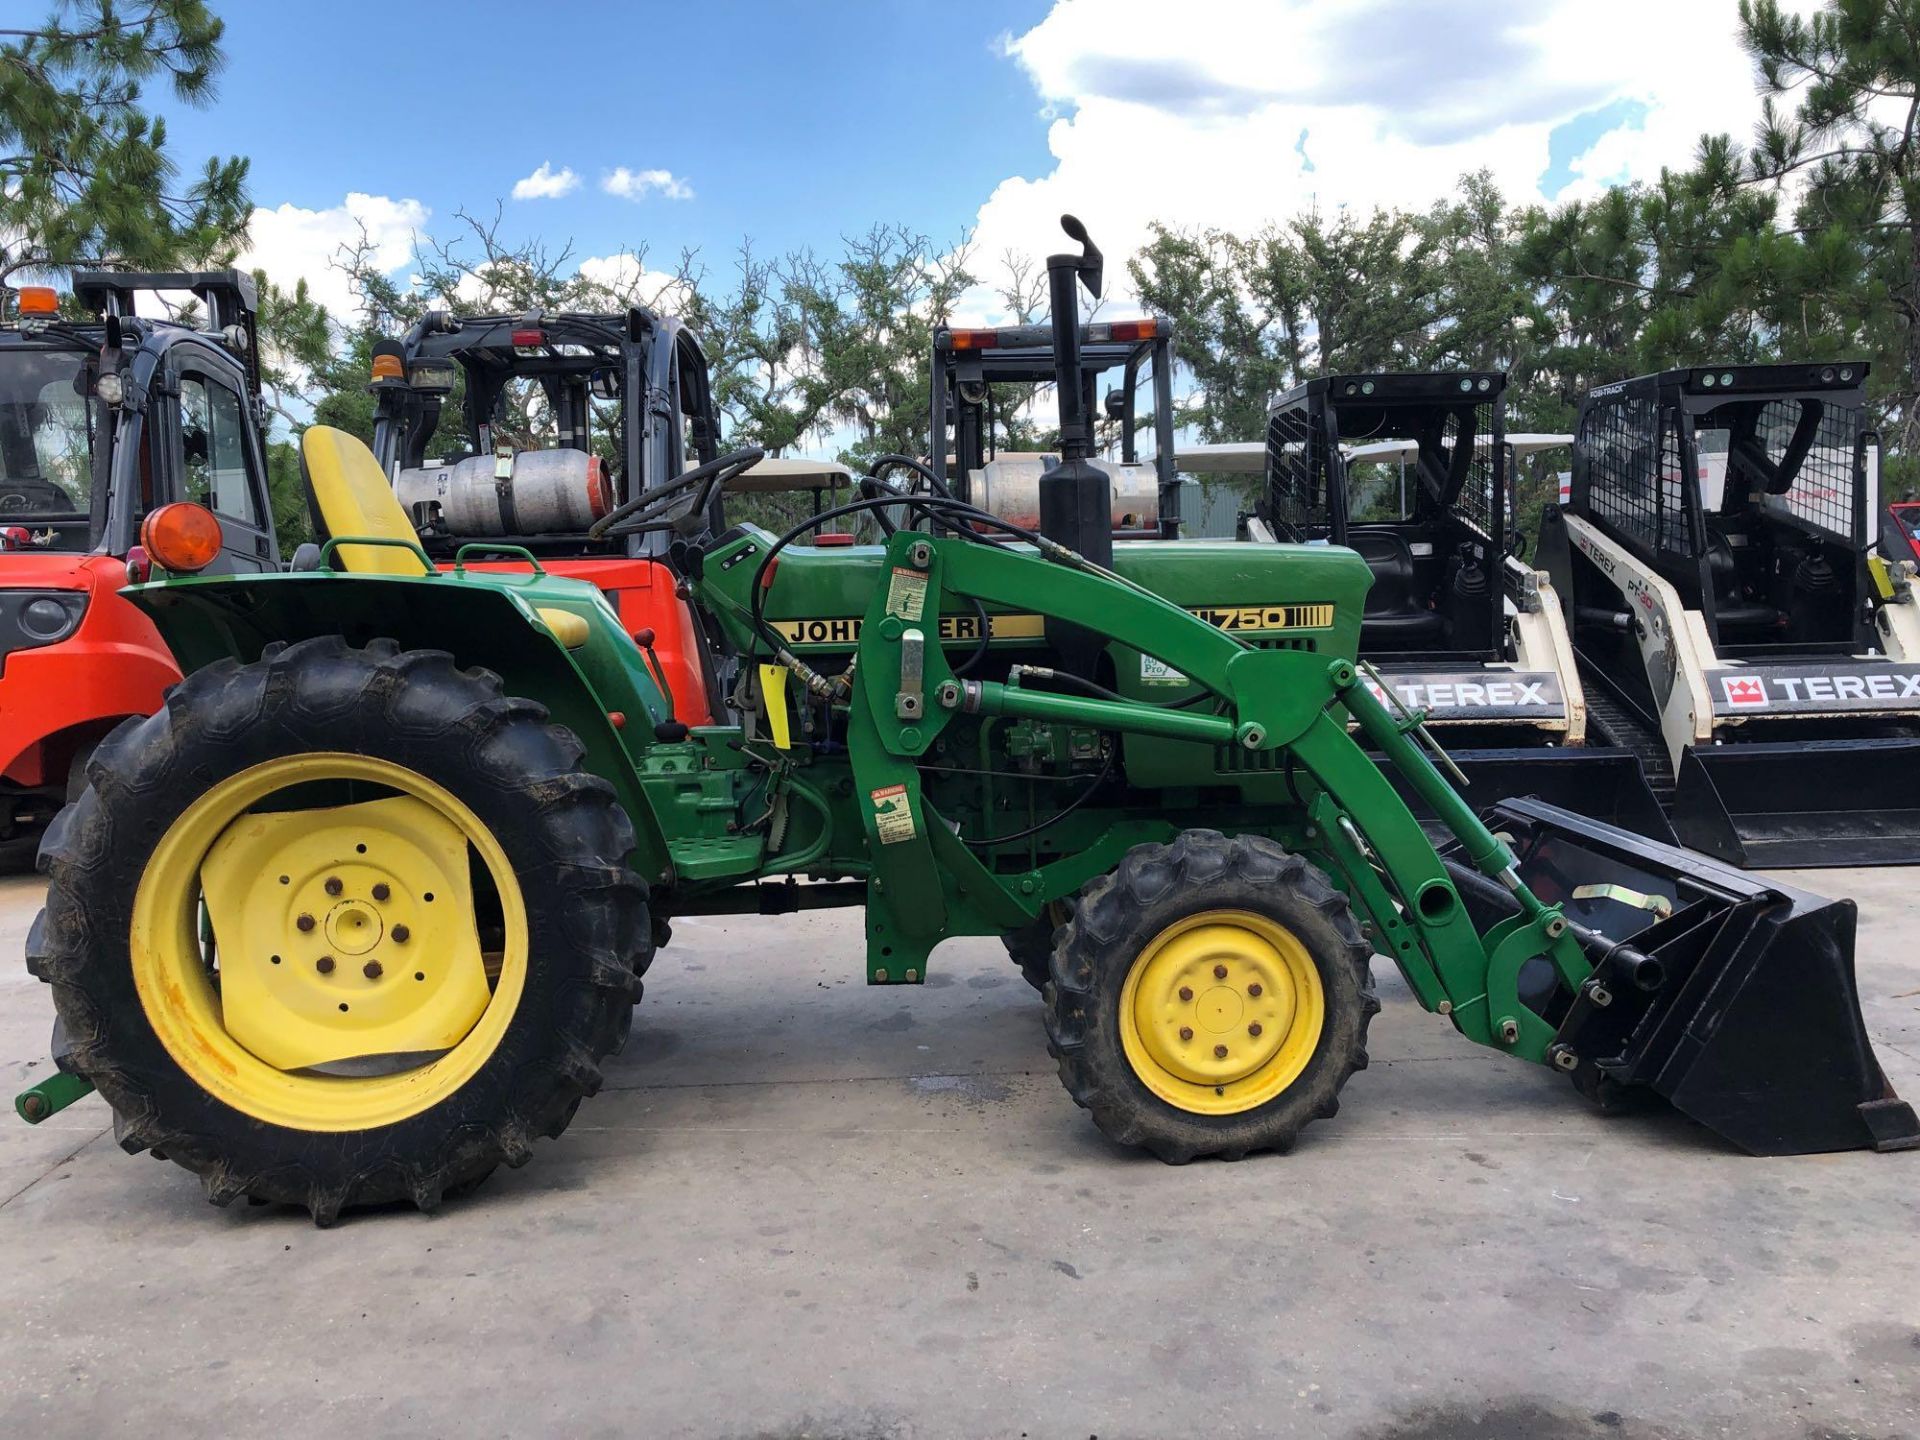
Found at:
<point>1076,498</point>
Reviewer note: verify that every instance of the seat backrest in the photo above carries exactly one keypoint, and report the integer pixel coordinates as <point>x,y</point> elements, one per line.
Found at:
<point>1391,559</point>
<point>354,498</point>
<point>1721,566</point>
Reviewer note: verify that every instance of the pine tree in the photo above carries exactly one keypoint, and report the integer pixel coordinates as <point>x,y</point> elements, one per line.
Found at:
<point>85,173</point>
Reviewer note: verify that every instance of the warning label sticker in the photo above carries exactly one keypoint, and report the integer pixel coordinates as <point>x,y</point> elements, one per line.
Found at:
<point>892,814</point>
<point>907,593</point>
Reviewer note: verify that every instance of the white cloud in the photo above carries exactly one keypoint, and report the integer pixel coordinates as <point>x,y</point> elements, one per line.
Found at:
<point>638,184</point>
<point>290,242</point>
<point>1206,122</point>
<point>629,278</point>
<point>546,183</point>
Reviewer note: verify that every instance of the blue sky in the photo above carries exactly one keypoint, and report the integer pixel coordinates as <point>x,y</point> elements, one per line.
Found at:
<point>790,122</point>
<point>795,123</point>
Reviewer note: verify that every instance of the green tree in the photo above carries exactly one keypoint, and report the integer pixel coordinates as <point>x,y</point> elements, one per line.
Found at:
<point>1691,268</point>
<point>1842,118</point>
<point>85,173</point>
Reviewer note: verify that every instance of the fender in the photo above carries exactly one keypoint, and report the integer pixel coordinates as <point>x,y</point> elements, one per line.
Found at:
<point>491,620</point>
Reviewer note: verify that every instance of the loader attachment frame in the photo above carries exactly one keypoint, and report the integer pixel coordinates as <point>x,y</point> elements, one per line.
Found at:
<point>1509,964</point>
<point>1692,1000</point>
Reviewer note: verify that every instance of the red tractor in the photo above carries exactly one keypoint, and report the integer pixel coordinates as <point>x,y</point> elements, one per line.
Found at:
<point>102,421</point>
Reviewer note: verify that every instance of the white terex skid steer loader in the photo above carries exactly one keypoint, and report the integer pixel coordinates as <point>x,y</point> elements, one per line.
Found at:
<point>1716,552</point>
<point>1413,472</point>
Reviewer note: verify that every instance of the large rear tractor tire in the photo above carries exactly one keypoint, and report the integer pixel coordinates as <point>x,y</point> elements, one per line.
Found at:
<point>1209,997</point>
<point>342,927</point>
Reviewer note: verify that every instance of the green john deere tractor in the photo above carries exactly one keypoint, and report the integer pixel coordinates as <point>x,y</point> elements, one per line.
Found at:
<point>359,914</point>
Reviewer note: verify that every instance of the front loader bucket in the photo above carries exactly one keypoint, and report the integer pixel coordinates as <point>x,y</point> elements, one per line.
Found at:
<point>1604,784</point>
<point>1732,996</point>
<point>1775,805</point>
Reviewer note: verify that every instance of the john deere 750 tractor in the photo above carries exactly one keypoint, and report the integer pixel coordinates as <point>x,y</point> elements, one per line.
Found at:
<point>359,914</point>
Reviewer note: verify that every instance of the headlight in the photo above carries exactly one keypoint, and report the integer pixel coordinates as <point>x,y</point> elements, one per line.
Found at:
<point>39,617</point>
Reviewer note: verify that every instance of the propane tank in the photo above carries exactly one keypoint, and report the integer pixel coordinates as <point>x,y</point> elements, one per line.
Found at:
<point>534,492</point>
<point>1009,486</point>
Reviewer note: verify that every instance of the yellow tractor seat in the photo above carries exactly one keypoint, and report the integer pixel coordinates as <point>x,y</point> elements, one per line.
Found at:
<point>353,497</point>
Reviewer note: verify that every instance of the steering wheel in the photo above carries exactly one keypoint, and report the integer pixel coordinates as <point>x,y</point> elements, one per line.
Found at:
<point>691,492</point>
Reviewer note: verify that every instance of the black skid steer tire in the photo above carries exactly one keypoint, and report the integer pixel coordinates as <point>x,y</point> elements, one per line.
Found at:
<point>1118,916</point>
<point>562,830</point>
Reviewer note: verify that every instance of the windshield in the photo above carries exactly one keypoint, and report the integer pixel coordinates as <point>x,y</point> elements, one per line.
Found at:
<point>46,443</point>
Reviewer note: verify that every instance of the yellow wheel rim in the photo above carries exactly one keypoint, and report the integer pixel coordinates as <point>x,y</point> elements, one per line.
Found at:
<point>1221,1012</point>
<point>346,940</point>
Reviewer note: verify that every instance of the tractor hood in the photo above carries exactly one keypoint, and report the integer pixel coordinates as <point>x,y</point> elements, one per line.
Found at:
<point>1291,595</point>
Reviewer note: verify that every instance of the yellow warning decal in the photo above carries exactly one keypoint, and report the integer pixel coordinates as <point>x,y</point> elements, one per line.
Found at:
<point>1241,619</point>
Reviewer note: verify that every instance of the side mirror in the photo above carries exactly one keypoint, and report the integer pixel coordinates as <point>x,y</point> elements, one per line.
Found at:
<point>1116,405</point>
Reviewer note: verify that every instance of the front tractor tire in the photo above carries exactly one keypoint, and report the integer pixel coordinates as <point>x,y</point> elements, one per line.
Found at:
<point>342,927</point>
<point>1209,997</point>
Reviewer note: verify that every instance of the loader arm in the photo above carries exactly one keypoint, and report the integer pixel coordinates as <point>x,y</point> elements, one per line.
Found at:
<point>1269,701</point>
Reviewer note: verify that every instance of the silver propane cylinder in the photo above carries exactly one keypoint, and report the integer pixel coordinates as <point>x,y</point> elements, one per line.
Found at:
<point>1009,486</point>
<point>533,492</point>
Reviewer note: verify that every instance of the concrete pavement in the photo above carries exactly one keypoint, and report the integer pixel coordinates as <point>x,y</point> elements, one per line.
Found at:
<point>803,1207</point>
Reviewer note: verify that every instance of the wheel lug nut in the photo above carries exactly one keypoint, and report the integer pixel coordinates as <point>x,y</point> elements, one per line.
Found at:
<point>1254,989</point>
<point>334,887</point>
<point>304,924</point>
<point>324,964</point>
<point>1219,972</point>
<point>372,971</point>
<point>1186,992</point>
<point>1186,1032</point>
<point>380,891</point>
<point>1254,1029</point>
<point>401,934</point>
<point>1219,1052</point>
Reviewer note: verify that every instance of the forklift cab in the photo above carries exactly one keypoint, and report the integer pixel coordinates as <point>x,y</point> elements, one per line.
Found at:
<point>1410,471</point>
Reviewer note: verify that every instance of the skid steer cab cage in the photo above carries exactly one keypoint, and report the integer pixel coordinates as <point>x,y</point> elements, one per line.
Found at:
<point>1717,551</point>
<point>1414,472</point>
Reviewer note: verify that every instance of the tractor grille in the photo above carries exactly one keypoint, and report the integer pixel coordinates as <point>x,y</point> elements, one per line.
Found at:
<point>1235,760</point>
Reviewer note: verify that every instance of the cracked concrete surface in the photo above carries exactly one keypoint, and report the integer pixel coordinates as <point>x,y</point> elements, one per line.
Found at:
<point>806,1208</point>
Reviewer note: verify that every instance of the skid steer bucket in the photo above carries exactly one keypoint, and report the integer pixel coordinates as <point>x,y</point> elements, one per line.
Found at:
<point>1813,803</point>
<point>1609,785</point>
<point>1731,995</point>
